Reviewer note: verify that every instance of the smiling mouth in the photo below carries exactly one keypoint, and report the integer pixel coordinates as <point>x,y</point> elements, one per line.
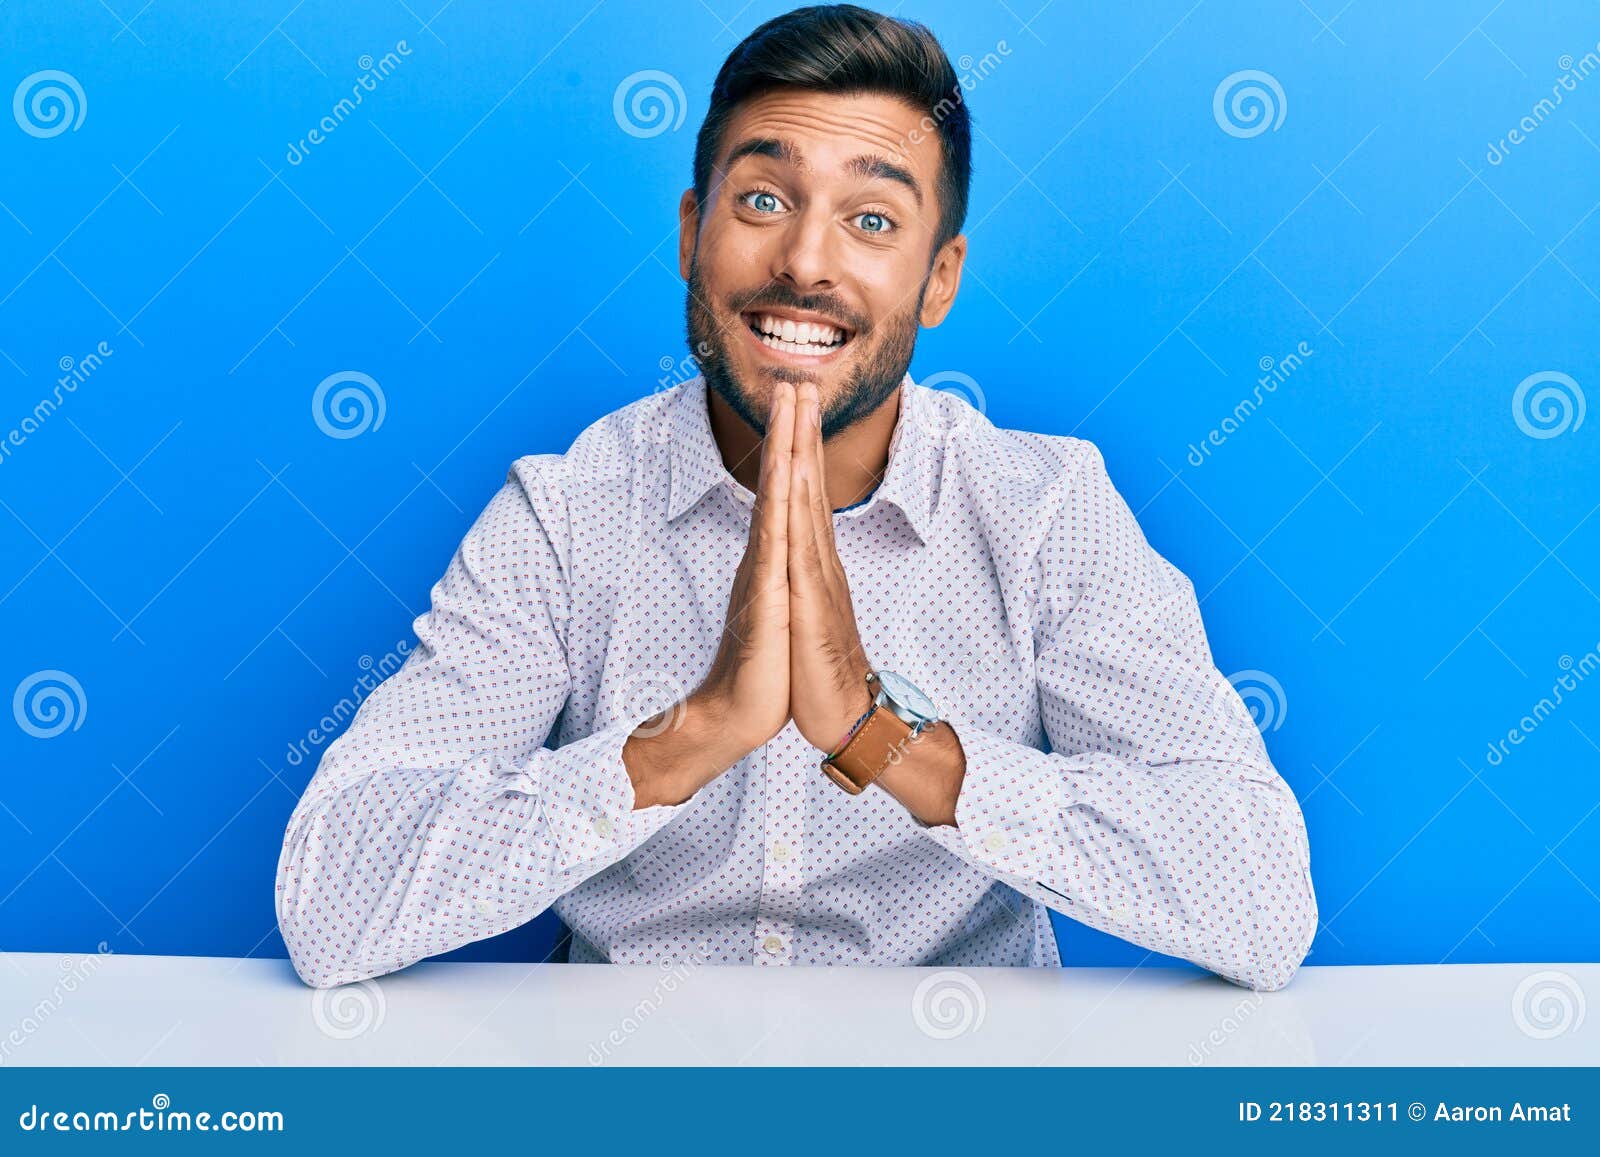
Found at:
<point>805,338</point>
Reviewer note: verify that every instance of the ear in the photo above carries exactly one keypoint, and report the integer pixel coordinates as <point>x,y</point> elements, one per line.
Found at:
<point>688,230</point>
<point>944,280</point>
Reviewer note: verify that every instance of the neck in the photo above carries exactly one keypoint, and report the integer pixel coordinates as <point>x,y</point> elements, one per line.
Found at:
<point>854,459</point>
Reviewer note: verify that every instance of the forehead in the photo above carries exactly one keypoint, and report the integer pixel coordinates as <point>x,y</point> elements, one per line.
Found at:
<point>830,129</point>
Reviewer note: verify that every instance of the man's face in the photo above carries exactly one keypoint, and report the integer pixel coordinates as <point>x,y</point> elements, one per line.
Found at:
<point>810,260</point>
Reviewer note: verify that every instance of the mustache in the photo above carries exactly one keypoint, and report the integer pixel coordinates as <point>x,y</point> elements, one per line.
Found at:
<point>824,304</point>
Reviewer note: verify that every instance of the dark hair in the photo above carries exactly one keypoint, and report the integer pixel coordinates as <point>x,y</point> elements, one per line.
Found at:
<point>840,48</point>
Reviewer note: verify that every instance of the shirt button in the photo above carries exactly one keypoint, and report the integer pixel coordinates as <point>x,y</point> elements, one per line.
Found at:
<point>780,851</point>
<point>484,908</point>
<point>994,841</point>
<point>773,944</point>
<point>602,828</point>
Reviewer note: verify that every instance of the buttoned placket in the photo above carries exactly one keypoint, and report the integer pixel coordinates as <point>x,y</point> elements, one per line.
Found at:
<point>786,760</point>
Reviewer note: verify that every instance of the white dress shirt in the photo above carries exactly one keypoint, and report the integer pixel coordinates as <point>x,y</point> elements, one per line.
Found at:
<point>1112,773</point>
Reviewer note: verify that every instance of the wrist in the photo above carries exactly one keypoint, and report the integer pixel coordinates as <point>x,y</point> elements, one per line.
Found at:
<point>715,728</point>
<point>864,706</point>
<point>671,756</point>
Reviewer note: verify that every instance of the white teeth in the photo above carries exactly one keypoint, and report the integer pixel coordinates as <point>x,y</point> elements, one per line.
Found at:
<point>798,333</point>
<point>777,343</point>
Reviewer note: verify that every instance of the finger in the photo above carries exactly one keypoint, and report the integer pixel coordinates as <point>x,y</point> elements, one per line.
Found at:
<point>772,498</point>
<point>821,504</point>
<point>804,561</point>
<point>768,460</point>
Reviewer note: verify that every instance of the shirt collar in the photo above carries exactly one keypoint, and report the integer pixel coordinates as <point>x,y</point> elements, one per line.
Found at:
<point>908,482</point>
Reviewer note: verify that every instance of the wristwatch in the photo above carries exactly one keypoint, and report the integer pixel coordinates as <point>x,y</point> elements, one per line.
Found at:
<point>899,713</point>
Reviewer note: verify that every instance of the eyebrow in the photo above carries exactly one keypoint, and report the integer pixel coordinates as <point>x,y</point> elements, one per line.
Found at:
<point>867,166</point>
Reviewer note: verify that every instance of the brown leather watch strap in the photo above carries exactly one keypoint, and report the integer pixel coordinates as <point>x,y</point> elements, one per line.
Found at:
<point>871,749</point>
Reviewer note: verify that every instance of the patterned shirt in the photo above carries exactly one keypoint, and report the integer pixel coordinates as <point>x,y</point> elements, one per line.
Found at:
<point>1113,774</point>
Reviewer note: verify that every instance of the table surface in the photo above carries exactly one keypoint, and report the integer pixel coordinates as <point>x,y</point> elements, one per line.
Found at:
<point>124,1010</point>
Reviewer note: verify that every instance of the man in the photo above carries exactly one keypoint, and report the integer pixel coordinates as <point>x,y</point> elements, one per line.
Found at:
<point>800,631</point>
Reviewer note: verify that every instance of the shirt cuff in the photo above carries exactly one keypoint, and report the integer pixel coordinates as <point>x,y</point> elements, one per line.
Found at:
<point>1006,809</point>
<point>586,797</point>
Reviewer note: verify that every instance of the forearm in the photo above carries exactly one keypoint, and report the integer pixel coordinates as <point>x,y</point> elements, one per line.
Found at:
<point>381,869</point>
<point>672,755</point>
<point>927,774</point>
<point>1205,860</point>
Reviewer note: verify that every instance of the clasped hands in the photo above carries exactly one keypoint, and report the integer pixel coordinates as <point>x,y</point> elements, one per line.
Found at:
<point>790,648</point>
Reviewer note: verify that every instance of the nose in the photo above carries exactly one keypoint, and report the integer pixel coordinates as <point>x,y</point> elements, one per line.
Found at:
<point>806,258</point>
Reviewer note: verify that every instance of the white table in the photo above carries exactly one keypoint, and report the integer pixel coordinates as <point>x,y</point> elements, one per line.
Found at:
<point>157,1011</point>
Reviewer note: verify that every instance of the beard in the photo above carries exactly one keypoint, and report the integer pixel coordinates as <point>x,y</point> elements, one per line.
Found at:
<point>875,377</point>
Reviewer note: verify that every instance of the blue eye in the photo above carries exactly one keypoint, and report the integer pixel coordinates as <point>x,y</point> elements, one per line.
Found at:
<point>762,201</point>
<point>875,223</point>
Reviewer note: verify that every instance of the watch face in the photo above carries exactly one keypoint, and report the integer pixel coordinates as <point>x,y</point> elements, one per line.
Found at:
<point>905,694</point>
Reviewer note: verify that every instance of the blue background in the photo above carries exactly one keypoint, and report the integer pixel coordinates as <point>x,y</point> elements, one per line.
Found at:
<point>1409,569</point>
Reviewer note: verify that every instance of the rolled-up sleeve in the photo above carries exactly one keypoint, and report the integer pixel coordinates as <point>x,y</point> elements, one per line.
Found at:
<point>439,817</point>
<point>1156,815</point>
